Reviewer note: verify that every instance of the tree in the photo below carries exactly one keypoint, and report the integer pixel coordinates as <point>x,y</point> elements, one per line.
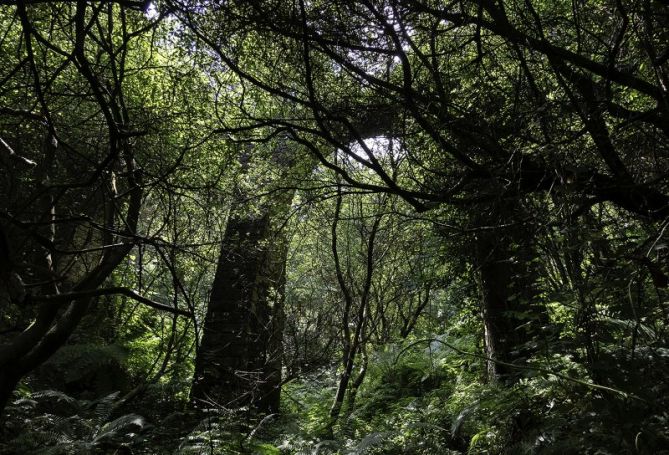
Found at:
<point>240,356</point>
<point>409,206</point>
<point>358,278</point>
<point>493,102</point>
<point>239,360</point>
<point>73,138</point>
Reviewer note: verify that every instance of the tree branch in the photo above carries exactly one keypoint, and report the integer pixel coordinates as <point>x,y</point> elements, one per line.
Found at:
<point>67,296</point>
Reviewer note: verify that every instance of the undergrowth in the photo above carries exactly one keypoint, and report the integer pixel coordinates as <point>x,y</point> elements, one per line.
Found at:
<point>420,398</point>
<point>50,422</point>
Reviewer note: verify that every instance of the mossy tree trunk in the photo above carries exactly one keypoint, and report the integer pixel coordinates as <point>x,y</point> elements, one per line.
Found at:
<point>239,359</point>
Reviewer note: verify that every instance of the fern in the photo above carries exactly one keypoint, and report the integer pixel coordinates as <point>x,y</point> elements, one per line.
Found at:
<point>369,441</point>
<point>26,403</point>
<point>104,408</point>
<point>114,428</point>
<point>86,430</point>
<point>55,395</point>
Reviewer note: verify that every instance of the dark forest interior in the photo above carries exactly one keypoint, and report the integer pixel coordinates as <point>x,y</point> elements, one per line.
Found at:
<point>334,227</point>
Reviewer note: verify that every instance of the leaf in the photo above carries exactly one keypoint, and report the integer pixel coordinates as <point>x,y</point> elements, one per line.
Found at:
<point>117,426</point>
<point>104,408</point>
<point>55,395</point>
<point>266,449</point>
<point>369,441</point>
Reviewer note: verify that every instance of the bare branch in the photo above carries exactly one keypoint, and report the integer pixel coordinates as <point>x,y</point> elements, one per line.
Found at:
<point>68,296</point>
<point>16,156</point>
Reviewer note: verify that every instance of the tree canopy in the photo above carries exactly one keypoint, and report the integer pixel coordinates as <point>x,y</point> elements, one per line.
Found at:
<point>381,226</point>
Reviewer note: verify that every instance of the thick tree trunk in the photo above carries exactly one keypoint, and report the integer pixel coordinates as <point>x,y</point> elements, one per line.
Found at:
<point>239,359</point>
<point>506,262</point>
<point>273,350</point>
<point>55,322</point>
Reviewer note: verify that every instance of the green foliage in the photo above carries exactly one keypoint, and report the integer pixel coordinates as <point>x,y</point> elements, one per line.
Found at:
<point>87,367</point>
<point>53,423</point>
<point>423,398</point>
<point>309,399</point>
<point>503,147</point>
<point>234,432</point>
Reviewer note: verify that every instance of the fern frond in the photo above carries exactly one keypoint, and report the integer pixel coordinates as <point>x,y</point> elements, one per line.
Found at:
<point>104,408</point>
<point>25,403</point>
<point>114,428</point>
<point>369,441</point>
<point>55,395</point>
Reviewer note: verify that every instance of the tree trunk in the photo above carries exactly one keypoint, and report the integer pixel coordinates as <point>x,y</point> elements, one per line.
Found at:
<point>239,359</point>
<point>506,262</point>
<point>273,351</point>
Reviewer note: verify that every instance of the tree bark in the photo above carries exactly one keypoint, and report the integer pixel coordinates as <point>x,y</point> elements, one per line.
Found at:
<point>506,262</point>
<point>238,361</point>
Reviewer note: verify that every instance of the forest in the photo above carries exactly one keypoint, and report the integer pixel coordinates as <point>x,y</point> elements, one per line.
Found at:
<point>334,227</point>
